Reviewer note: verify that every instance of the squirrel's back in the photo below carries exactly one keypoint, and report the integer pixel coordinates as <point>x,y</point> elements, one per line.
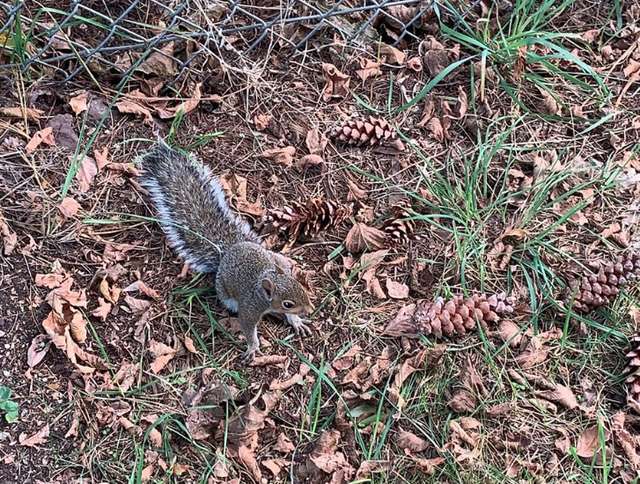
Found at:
<point>191,207</point>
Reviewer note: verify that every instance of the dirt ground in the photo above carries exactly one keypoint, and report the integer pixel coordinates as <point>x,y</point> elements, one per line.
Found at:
<point>496,167</point>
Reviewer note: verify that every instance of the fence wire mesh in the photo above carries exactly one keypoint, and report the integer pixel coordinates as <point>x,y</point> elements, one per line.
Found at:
<point>112,38</point>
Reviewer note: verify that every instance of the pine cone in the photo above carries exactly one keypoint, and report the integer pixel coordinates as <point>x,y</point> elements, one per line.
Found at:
<point>400,228</point>
<point>598,289</point>
<point>370,131</point>
<point>455,317</point>
<point>633,374</point>
<point>302,221</point>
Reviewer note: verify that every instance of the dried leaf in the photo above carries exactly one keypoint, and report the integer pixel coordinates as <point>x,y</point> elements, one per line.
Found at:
<point>274,465</point>
<point>79,103</point>
<point>40,437</point>
<point>141,287</point>
<point>73,428</point>
<point>368,68</point>
<point>101,158</point>
<point>628,441</point>
<point>392,55</point>
<point>9,237</point>
<point>462,401</point>
<point>562,395</point>
<point>248,458</point>
<point>410,442</point>
<point>125,377</point>
<point>316,142</point>
<point>38,349</point>
<point>397,290</point>
<point>185,106</point>
<point>268,360</point>
<point>549,104</point>
<point>78,327</point>
<point>428,466</point>
<point>132,107</point>
<point>588,443</point>
<point>138,306</point>
<point>309,161</point>
<point>43,136</point>
<point>69,207</point>
<point>293,380</point>
<point>284,444</point>
<point>337,83</point>
<point>21,112</point>
<point>162,355</point>
<point>50,281</point>
<point>155,437</point>
<point>262,121</point>
<point>361,237</point>
<point>103,309</point>
<point>86,173</point>
<point>160,63</point>
<point>415,64</point>
<point>282,156</point>
<point>189,345</point>
<point>347,360</point>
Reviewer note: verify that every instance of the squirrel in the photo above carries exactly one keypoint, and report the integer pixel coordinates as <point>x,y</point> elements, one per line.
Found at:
<point>250,280</point>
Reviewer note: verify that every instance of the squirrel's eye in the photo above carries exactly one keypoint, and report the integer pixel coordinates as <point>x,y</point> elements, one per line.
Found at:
<point>288,304</point>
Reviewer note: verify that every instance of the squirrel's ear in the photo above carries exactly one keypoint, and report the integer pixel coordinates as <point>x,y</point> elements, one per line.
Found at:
<point>267,286</point>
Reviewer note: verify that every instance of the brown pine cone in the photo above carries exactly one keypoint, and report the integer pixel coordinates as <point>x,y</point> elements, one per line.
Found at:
<point>370,131</point>
<point>633,375</point>
<point>454,317</point>
<point>400,228</point>
<point>600,288</point>
<point>302,221</point>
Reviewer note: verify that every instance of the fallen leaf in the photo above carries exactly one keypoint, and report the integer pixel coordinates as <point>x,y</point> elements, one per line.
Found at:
<point>162,355</point>
<point>40,437</point>
<point>79,103</point>
<point>268,360</point>
<point>325,454</point>
<point>410,442</point>
<point>549,104</point>
<point>235,187</point>
<point>368,68</point>
<point>155,437</point>
<point>38,349</point>
<point>160,62</point>
<point>189,345</point>
<point>362,237</point>
<point>248,458</point>
<point>101,158</point>
<point>293,380</point>
<point>64,131</point>
<point>103,309</point>
<point>560,394</point>
<point>262,121</point>
<point>316,142</point>
<point>415,64</point>
<point>69,207</point>
<point>132,107</point>
<point>347,360</point>
<point>309,161</point>
<point>50,281</point>
<point>22,112</point>
<point>628,441</point>
<point>588,443</point>
<point>284,444</point>
<point>78,327</point>
<point>336,83</point>
<point>9,237</point>
<point>462,104</point>
<point>138,306</point>
<point>125,377</point>
<point>392,55</point>
<point>274,465</point>
<point>86,173</point>
<point>43,136</point>
<point>510,333</point>
<point>184,107</point>
<point>282,156</point>
<point>243,427</point>
<point>141,287</point>
<point>73,428</point>
<point>428,466</point>
<point>397,290</point>
<point>462,401</point>
<point>65,293</point>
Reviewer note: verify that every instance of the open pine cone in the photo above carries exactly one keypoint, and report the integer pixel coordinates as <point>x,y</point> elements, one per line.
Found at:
<point>399,227</point>
<point>301,221</point>
<point>598,289</point>
<point>633,375</point>
<point>454,317</point>
<point>370,131</point>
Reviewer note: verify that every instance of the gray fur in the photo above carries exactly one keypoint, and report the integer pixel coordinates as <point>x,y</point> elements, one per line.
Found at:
<point>191,207</point>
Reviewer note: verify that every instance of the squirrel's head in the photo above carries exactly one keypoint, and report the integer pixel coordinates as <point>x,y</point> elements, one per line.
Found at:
<point>285,294</point>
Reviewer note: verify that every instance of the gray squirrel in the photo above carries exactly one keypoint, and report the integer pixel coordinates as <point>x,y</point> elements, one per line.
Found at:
<point>195,216</point>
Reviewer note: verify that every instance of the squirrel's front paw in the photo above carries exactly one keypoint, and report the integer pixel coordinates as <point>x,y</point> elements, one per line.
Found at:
<point>299,324</point>
<point>251,352</point>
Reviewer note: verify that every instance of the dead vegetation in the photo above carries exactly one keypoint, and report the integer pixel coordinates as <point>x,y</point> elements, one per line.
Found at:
<point>454,201</point>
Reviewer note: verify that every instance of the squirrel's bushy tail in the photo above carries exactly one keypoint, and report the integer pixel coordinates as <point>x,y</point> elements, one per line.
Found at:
<point>191,207</point>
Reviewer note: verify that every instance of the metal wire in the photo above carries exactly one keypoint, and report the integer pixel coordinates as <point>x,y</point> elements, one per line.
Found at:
<point>242,28</point>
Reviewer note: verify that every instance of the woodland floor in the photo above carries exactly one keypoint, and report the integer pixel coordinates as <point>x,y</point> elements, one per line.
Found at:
<point>519,169</point>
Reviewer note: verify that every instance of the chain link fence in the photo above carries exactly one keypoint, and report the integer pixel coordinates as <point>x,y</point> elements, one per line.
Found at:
<point>112,38</point>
